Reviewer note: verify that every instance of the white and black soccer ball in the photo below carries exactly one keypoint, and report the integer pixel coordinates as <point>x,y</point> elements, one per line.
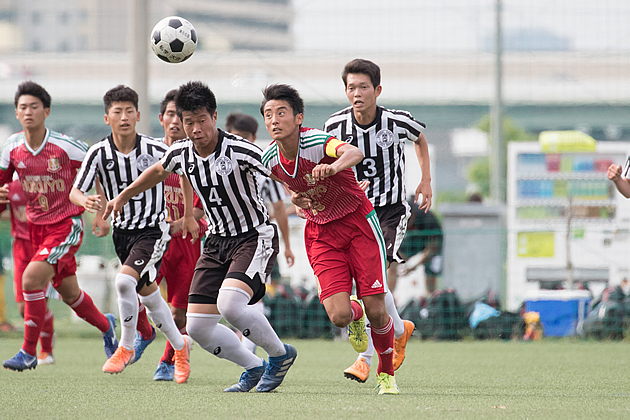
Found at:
<point>173,39</point>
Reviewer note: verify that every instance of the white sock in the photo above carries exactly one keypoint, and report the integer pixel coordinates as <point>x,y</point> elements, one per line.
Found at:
<point>399,325</point>
<point>251,346</point>
<point>369,352</point>
<point>232,303</point>
<point>128,309</point>
<point>219,340</point>
<point>160,314</point>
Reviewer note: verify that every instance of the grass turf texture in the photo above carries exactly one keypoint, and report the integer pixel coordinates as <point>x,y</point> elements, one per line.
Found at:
<point>555,379</point>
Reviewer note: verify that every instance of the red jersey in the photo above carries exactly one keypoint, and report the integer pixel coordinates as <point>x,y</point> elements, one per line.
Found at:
<point>17,207</point>
<point>174,198</point>
<point>333,197</point>
<point>46,174</point>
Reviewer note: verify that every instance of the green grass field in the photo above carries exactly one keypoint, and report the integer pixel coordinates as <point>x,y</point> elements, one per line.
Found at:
<point>552,379</point>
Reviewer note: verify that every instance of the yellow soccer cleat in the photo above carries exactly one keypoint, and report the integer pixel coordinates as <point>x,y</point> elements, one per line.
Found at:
<point>359,371</point>
<point>357,334</point>
<point>182,361</point>
<point>401,342</point>
<point>386,384</point>
<point>119,360</point>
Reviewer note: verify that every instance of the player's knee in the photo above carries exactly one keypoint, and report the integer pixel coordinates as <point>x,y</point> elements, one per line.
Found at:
<point>125,285</point>
<point>340,319</point>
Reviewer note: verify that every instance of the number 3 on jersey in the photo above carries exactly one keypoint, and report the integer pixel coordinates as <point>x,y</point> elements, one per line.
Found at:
<point>371,167</point>
<point>213,197</point>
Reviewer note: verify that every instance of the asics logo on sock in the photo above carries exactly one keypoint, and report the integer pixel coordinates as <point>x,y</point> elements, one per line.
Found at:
<point>246,332</point>
<point>30,323</point>
<point>376,284</point>
<point>216,350</point>
<point>129,318</point>
<point>158,326</point>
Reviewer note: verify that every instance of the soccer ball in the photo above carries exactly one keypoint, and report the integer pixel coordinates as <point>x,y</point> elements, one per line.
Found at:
<point>173,39</point>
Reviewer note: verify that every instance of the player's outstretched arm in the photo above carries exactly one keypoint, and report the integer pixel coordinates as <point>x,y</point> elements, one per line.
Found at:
<point>91,203</point>
<point>424,187</point>
<point>189,221</point>
<point>100,227</point>
<point>283,223</point>
<point>148,179</point>
<point>347,157</point>
<point>4,194</point>
<point>622,184</point>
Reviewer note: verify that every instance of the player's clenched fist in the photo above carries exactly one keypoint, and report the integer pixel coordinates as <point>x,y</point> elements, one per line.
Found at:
<point>614,172</point>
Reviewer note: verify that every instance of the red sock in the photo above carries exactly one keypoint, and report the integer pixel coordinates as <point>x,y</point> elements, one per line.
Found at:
<point>383,339</point>
<point>85,309</point>
<point>144,326</point>
<point>46,335</point>
<point>169,351</point>
<point>34,313</point>
<point>357,310</point>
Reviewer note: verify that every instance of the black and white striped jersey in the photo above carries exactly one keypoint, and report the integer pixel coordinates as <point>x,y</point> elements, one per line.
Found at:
<point>227,182</point>
<point>383,145</point>
<point>116,171</point>
<point>272,190</point>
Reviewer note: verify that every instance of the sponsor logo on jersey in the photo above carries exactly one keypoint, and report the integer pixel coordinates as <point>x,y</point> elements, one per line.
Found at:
<point>21,165</point>
<point>191,168</point>
<point>15,197</point>
<point>376,284</point>
<point>144,161</point>
<point>348,139</point>
<point>223,165</point>
<point>44,251</point>
<point>384,138</point>
<point>138,262</point>
<point>53,164</point>
<point>110,165</point>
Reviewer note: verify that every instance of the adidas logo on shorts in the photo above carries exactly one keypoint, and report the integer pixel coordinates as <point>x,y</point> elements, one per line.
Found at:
<point>377,284</point>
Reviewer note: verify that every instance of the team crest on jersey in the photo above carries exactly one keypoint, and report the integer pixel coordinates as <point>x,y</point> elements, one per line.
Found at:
<point>53,164</point>
<point>144,161</point>
<point>110,165</point>
<point>309,179</point>
<point>384,138</point>
<point>223,165</point>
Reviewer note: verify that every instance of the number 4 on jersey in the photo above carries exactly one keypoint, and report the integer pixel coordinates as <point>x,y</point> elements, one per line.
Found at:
<point>213,197</point>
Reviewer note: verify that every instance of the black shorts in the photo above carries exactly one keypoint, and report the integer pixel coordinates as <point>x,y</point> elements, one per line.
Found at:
<point>248,257</point>
<point>142,250</point>
<point>393,220</point>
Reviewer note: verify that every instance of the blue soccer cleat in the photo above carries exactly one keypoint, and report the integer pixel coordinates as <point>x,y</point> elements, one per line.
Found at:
<point>165,372</point>
<point>277,370</point>
<point>21,361</point>
<point>109,336</point>
<point>140,344</point>
<point>248,379</point>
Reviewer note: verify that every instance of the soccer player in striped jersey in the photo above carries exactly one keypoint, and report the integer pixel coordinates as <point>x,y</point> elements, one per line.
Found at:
<point>342,235</point>
<point>246,126</point>
<point>178,263</point>
<point>380,134</point>
<point>141,233</point>
<point>46,163</point>
<point>241,245</point>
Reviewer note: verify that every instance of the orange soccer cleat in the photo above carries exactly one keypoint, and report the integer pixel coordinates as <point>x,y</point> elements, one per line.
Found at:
<point>119,360</point>
<point>182,361</point>
<point>401,342</point>
<point>359,371</point>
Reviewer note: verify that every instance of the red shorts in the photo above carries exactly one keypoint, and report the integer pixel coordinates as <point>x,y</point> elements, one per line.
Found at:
<point>22,254</point>
<point>57,244</point>
<point>349,248</point>
<point>178,267</point>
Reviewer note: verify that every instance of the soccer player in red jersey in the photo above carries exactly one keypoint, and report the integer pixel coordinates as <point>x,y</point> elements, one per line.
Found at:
<point>342,235</point>
<point>178,263</point>
<point>22,254</point>
<point>46,163</point>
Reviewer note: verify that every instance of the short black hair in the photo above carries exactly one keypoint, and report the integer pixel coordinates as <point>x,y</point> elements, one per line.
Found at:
<point>241,122</point>
<point>280,92</point>
<point>194,96</point>
<point>361,66</point>
<point>120,93</point>
<point>33,89</point>
<point>170,97</point>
